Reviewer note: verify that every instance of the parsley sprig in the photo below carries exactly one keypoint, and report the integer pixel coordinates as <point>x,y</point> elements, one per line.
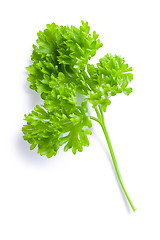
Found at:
<point>59,71</point>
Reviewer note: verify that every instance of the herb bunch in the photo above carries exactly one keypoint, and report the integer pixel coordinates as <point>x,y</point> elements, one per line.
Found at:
<point>59,71</point>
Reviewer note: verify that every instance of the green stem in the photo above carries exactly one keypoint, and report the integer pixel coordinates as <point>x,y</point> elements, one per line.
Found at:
<point>101,122</point>
<point>95,119</point>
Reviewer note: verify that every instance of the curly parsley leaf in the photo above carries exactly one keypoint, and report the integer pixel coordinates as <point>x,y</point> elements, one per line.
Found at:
<point>59,71</point>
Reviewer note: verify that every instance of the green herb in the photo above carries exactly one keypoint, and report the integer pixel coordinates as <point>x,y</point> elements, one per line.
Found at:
<point>59,71</point>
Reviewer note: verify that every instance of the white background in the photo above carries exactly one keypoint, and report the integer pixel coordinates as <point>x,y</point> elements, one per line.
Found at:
<point>78,197</point>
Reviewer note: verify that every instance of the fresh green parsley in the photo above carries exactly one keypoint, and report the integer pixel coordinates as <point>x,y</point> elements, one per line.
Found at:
<point>59,71</point>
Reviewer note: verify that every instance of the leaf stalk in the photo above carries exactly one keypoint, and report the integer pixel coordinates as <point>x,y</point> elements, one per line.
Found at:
<point>100,120</point>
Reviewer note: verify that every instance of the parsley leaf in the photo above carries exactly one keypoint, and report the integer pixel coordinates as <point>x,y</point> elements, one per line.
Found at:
<point>59,71</point>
